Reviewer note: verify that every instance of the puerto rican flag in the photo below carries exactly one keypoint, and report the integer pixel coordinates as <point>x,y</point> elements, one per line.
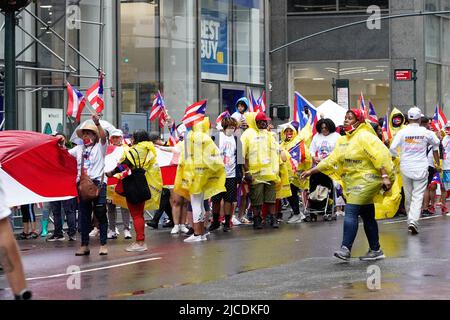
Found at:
<point>173,138</point>
<point>372,114</point>
<point>95,95</point>
<point>222,115</point>
<point>439,120</point>
<point>76,103</point>
<point>262,102</point>
<point>194,113</point>
<point>162,119</point>
<point>436,179</point>
<point>253,103</point>
<point>300,104</point>
<point>362,106</point>
<point>387,135</point>
<point>298,155</point>
<point>158,107</point>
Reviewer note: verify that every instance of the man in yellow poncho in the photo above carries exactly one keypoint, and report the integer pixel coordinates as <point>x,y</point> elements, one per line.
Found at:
<point>293,144</point>
<point>262,165</point>
<point>364,164</point>
<point>141,155</point>
<point>200,174</point>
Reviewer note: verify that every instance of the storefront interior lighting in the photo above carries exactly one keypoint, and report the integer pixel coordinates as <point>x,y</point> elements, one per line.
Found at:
<point>46,6</point>
<point>318,79</point>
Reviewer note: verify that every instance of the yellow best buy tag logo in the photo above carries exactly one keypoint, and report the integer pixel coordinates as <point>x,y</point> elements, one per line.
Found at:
<point>220,57</point>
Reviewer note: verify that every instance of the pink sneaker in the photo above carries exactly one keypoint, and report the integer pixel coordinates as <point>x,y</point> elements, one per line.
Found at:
<point>444,210</point>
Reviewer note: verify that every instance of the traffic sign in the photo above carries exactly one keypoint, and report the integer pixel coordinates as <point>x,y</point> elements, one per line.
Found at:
<point>403,75</point>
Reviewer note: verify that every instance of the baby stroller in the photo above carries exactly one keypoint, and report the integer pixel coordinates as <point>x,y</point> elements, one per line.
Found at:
<point>320,199</point>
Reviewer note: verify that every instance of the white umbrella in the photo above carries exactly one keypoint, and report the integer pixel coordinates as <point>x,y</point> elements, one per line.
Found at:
<point>105,125</point>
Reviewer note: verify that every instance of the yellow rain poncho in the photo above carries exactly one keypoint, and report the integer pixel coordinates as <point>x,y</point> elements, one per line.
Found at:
<point>356,161</point>
<point>387,206</point>
<point>283,188</point>
<point>262,151</point>
<point>147,160</point>
<point>200,168</point>
<point>306,161</point>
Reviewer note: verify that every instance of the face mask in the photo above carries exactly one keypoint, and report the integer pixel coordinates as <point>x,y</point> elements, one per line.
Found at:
<point>262,125</point>
<point>288,136</point>
<point>397,121</point>
<point>349,129</point>
<point>87,141</point>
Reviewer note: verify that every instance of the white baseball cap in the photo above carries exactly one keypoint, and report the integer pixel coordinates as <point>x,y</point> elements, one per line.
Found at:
<point>116,133</point>
<point>414,113</point>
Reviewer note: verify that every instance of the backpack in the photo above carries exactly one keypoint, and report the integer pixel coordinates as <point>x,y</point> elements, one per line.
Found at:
<point>135,185</point>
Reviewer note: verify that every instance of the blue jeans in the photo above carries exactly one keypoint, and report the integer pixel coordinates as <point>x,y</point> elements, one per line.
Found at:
<point>367,213</point>
<point>99,207</point>
<point>69,207</point>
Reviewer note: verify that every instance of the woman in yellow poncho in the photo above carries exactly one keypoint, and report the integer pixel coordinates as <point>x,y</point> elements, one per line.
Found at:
<point>200,174</point>
<point>291,141</point>
<point>364,164</point>
<point>141,155</point>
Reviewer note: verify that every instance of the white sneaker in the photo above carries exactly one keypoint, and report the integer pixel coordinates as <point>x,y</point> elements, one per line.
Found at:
<point>127,234</point>
<point>175,229</point>
<point>195,238</point>
<point>112,234</point>
<point>235,221</point>
<point>204,237</point>
<point>136,247</point>
<point>183,228</point>
<point>94,233</point>
<point>295,219</point>
<point>117,232</point>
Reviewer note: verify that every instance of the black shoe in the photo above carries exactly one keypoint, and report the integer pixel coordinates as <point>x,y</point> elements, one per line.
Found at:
<point>72,238</point>
<point>23,236</point>
<point>274,222</point>
<point>214,226</point>
<point>54,238</point>
<point>413,229</point>
<point>168,224</point>
<point>226,228</point>
<point>190,232</point>
<point>257,222</point>
<point>153,224</point>
<point>426,213</point>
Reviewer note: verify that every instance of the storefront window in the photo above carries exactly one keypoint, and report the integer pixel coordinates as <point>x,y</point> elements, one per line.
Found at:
<point>432,87</point>
<point>139,63</point>
<point>178,55</point>
<point>445,89</point>
<point>210,92</point>
<point>361,5</point>
<point>315,82</point>
<point>249,41</point>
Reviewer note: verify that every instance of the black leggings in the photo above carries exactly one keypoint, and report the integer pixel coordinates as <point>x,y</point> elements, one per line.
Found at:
<point>28,214</point>
<point>294,200</point>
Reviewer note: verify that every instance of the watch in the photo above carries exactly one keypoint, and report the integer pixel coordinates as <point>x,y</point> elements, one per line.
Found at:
<point>25,294</point>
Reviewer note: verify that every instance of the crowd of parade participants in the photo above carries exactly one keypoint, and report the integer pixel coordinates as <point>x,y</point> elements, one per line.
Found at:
<point>243,172</point>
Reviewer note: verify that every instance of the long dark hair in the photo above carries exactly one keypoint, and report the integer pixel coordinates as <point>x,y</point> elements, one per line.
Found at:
<point>140,135</point>
<point>328,122</point>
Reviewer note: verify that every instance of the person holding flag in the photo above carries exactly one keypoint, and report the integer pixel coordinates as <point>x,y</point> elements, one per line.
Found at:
<point>299,160</point>
<point>413,141</point>
<point>363,164</point>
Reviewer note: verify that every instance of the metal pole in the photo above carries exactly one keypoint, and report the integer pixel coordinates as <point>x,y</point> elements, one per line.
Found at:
<point>10,71</point>
<point>66,41</point>
<point>100,36</point>
<point>415,82</point>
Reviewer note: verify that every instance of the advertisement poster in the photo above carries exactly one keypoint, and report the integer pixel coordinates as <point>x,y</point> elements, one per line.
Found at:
<point>214,45</point>
<point>132,122</point>
<point>51,120</point>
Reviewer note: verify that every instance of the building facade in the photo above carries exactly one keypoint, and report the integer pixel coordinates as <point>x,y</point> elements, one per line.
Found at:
<point>188,49</point>
<point>367,54</point>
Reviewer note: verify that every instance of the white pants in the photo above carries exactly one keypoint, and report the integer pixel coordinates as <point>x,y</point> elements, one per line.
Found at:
<point>198,210</point>
<point>414,191</point>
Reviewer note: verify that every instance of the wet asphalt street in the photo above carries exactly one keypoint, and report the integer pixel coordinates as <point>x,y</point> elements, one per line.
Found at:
<point>293,262</point>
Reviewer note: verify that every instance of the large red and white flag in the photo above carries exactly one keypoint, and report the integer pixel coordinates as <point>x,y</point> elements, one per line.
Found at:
<point>439,120</point>
<point>194,113</point>
<point>76,102</point>
<point>95,95</point>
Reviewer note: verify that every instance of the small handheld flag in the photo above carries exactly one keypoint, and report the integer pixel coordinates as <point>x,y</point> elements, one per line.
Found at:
<point>439,120</point>
<point>194,113</point>
<point>95,95</point>
<point>76,103</point>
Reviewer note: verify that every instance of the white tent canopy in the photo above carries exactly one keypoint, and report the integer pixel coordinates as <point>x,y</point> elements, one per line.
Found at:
<point>331,110</point>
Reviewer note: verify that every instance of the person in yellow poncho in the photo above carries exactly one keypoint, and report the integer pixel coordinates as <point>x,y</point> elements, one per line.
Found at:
<point>293,143</point>
<point>262,164</point>
<point>364,164</point>
<point>200,174</point>
<point>141,155</point>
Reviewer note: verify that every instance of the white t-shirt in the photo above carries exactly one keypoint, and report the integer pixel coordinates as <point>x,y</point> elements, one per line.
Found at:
<point>227,147</point>
<point>322,146</point>
<point>238,116</point>
<point>446,153</point>
<point>430,157</point>
<point>413,141</point>
<point>4,210</point>
<point>94,161</point>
